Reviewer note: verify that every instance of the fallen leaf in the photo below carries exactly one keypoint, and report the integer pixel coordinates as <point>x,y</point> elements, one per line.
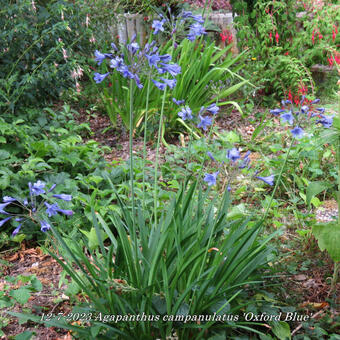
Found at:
<point>300,277</point>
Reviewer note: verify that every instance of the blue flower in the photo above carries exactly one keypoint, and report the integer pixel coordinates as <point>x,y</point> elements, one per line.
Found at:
<point>153,59</point>
<point>158,84</point>
<point>124,70</point>
<point>186,14</point>
<point>315,101</point>
<point>2,222</point>
<point>245,160</point>
<point>211,178</point>
<point>304,109</point>
<point>326,121</point>
<point>321,109</point>
<point>287,117</point>
<point>198,18</point>
<point>133,48</point>
<point>98,78</point>
<point>3,206</point>
<point>137,80</point>
<point>269,179</point>
<point>117,63</point>
<point>114,47</point>
<point>170,82</point>
<point>16,230</point>
<point>157,25</point>
<point>173,69</point>
<point>9,199</point>
<point>213,108</point>
<point>52,209</point>
<point>302,99</point>
<point>63,197</point>
<point>297,132</point>
<point>101,56</point>
<point>196,30</point>
<point>276,111</point>
<point>185,113</point>
<point>233,154</point>
<point>204,123</point>
<point>178,102</point>
<point>52,187</point>
<point>229,188</point>
<point>210,155</point>
<point>44,226</point>
<point>166,58</point>
<point>37,188</point>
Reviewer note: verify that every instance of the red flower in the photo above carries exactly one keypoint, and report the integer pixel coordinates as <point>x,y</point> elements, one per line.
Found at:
<point>226,35</point>
<point>286,53</point>
<point>330,61</point>
<point>290,97</point>
<point>270,36</point>
<point>333,36</point>
<point>320,36</point>
<point>277,37</point>
<point>313,38</point>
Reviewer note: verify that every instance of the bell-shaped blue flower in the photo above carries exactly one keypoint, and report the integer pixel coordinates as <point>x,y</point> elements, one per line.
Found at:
<point>233,154</point>
<point>63,197</point>
<point>210,179</point>
<point>185,113</point>
<point>98,78</point>
<point>45,226</point>
<point>287,117</point>
<point>213,108</point>
<point>297,132</point>
<point>268,179</point>
<point>204,122</point>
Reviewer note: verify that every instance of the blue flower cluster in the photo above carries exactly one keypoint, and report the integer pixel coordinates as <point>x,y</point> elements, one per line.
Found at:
<point>32,208</point>
<point>196,29</point>
<point>203,121</point>
<point>301,116</point>
<point>237,162</point>
<point>139,62</point>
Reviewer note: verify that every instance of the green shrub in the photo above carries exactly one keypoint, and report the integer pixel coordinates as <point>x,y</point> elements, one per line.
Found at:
<point>38,48</point>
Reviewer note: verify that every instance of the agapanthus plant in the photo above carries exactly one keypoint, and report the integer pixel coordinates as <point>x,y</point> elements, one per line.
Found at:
<point>38,207</point>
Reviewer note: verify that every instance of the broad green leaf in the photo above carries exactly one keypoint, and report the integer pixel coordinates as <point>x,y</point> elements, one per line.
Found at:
<point>328,236</point>
<point>314,189</point>
<point>281,329</point>
<point>21,295</point>
<point>92,237</point>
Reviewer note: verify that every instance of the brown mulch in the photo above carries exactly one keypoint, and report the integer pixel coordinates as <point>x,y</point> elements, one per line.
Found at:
<point>117,139</point>
<point>26,262</point>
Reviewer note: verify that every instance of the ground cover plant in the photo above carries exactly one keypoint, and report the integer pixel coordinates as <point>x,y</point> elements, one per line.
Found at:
<point>145,203</point>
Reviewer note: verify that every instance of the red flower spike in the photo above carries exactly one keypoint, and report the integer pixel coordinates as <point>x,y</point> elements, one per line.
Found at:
<point>277,37</point>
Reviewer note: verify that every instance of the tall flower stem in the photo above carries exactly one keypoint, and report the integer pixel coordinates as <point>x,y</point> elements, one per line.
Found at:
<point>337,264</point>
<point>205,155</point>
<point>145,135</point>
<point>155,196</point>
<point>278,181</point>
<point>131,158</point>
